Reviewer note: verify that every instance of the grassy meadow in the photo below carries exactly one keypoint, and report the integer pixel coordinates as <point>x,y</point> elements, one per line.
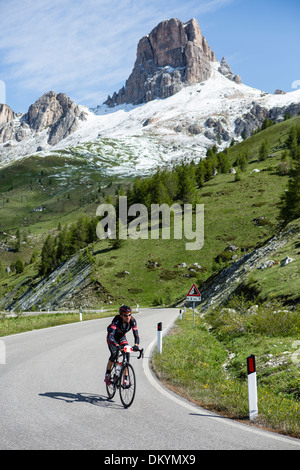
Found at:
<point>207,364</point>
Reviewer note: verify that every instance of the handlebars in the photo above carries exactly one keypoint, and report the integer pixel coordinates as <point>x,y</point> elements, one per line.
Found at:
<point>128,349</point>
<point>141,351</point>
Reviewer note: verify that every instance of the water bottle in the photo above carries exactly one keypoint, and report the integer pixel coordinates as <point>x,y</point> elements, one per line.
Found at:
<point>118,368</point>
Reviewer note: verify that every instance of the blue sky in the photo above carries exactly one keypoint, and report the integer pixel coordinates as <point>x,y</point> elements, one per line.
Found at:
<point>87,48</point>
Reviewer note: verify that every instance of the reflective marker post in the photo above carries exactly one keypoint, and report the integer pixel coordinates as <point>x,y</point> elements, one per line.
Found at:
<point>252,387</point>
<point>159,337</point>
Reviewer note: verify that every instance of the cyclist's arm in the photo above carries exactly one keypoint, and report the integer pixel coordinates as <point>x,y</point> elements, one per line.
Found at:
<point>111,333</point>
<point>135,332</point>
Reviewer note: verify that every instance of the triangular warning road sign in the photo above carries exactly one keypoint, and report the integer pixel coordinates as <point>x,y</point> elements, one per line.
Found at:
<point>193,292</point>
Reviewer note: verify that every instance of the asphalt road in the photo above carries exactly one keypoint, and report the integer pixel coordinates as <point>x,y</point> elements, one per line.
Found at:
<point>53,396</point>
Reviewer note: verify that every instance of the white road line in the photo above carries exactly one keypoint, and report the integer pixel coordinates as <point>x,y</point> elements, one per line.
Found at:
<point>191,407</point>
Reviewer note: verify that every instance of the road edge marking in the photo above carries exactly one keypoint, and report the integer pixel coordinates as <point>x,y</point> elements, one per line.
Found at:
<point>192,407</point>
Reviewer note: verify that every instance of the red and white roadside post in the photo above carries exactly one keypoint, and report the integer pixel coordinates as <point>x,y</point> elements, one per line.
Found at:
<point>252,387</point>
<point>159,337</point>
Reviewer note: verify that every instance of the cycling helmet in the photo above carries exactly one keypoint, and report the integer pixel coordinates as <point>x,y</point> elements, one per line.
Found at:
<point>124,309</point>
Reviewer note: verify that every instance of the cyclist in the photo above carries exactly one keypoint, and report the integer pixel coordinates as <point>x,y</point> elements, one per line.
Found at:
<point>116,337</point>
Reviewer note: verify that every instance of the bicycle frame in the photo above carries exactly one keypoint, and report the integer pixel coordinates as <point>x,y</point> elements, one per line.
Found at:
<point>125,353</point>
<point>127,390</point>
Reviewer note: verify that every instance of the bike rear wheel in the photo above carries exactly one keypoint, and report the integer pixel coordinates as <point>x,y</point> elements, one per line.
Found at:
<point>127,391</point>
<point>112,387</point>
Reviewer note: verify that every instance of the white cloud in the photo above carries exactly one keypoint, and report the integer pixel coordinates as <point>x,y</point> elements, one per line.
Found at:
<point>85,48</point>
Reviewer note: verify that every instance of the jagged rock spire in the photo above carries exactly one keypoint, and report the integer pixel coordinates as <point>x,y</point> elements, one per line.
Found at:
<point>172,55</point>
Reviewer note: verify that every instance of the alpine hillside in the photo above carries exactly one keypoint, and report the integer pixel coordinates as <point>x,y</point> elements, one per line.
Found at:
<point>193,132</point>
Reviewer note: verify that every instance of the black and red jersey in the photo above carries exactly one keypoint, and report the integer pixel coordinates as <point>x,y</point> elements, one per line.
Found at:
<point>118,329</point>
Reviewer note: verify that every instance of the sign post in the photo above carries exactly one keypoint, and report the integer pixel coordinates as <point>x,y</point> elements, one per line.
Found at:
<point>252,387</point>
<point>194,296</point>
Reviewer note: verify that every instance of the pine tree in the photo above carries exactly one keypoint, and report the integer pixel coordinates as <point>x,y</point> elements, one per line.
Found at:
<point>223,163</point>
<point>242,162</point>
<point>200,174</point>
<point>2,269</point>
<point>116,242</point>
<point>19,266</point>
<point>290,209</point>
<point>263,150</point>
<point>17,245</point>
<point>160,194</point>
<point>187,183</point>
<point>62,246</point>
<point>48,257</point>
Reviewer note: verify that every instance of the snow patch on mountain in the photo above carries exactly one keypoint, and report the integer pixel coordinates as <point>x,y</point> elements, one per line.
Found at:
<point>158,132</point>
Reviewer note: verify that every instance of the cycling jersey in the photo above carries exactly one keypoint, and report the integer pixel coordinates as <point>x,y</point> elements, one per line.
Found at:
<point>118,329</point>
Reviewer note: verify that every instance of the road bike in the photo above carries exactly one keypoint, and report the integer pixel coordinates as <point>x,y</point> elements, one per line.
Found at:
<point>122,377</point>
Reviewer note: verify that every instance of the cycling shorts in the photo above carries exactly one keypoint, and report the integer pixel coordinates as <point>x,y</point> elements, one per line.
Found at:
<point>113,347</point>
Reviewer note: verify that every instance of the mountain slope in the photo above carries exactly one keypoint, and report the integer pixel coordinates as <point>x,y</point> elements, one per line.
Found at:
<point>205,105</point>
<point>156,133</point>
<point>262,271</point>
<point>152,271</point>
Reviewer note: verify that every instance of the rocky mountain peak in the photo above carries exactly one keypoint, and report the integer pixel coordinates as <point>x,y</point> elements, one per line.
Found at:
<point>225,70</point>
<point>6,114</point>
<point>174,54</point>
<point>56,113</point>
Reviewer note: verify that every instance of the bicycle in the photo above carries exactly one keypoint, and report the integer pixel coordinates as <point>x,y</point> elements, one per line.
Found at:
<point>119,370</point>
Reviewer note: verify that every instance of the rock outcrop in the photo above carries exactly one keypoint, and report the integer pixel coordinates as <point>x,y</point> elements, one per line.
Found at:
<point>257,114</point>
<point>11,126</point>
<point>225,70</point>
<point>6,114</point>
<point>230,281</point>
<point>55,112</point>
<point>68,286</point>
<point>174,54</point>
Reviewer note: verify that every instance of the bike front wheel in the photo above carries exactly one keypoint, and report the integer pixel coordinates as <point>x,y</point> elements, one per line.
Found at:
<point>127,385</point>
<point>112,387</point>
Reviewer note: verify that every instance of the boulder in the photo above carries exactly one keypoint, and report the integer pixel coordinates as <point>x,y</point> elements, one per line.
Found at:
<point>267,264</point>
<point>286,261</point>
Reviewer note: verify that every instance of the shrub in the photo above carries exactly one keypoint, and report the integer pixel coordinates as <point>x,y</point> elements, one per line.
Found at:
<point>268,320</point>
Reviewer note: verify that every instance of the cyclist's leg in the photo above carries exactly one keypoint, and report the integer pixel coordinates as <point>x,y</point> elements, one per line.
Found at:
<point>113,356</point>
<point>123,343</point>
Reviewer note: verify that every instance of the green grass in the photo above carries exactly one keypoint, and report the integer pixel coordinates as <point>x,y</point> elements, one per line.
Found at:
<point>230,206</point>
<point>20,324</point>
<point>279,282</point>
<point>275,135</point>
<point>211,371</point>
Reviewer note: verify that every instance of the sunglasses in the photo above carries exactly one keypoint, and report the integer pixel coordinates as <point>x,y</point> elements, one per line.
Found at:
<point>127,315</point>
